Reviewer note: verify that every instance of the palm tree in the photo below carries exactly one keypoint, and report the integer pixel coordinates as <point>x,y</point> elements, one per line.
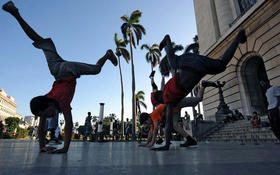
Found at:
<point>164,65</point>
<point>153,54</point>
<point>130,27</point>
<point>121,51</point>
<point>140,101</point>
<point>194,47</point>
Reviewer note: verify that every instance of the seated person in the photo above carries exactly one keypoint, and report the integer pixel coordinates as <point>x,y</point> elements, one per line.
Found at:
<point>239,115</point>
<point>255,120</point>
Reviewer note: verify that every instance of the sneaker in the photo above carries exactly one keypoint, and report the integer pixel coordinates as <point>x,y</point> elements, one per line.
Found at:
<point>159,141</point>
<point>162,148</point>
<point>189,143</point>
<point>112,57</point>
<point>163,42</point>
<point>205,83</point>
<point>9,7</point>
<point>152,74</point>
<point>242,35</point>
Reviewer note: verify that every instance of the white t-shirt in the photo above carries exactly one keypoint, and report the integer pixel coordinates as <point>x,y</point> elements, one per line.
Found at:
<point>272,95</point>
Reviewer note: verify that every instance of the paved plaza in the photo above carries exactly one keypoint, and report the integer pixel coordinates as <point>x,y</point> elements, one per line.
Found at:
<point>22,157</point>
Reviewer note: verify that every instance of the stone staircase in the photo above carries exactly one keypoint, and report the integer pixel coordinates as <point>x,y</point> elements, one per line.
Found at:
<point>243,132</point>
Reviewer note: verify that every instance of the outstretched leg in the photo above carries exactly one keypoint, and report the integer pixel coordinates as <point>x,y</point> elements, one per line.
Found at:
<point>193,101</point>
<point>77,69</point>
<point>10,8</point>
<point>171,57</point>
<point>203,64</point>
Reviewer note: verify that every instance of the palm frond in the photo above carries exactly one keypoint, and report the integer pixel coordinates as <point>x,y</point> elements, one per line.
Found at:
<point>146,46</point>
<point>125,18</point>
<point>124,29</point>
<point>134,17</point>
<point>116,39</point>
<point>192,47</point>
<point>148,57</point>
<point>177,48</point>
<point>138,35</point>
<point>143,104</point>
<point>140,27</point>
<point>133,41</point>
<point>125,54</point>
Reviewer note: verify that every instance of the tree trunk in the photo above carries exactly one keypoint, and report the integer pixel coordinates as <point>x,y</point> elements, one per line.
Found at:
<point>122,100</point>
<point>162,83</point>
<point>152,87</point>
<point>133,91</point>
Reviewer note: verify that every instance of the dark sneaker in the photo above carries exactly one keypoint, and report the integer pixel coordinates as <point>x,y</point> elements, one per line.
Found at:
<point>112,57</point>
<point>162,148</point>
<point>9,7</point>
<point>242,36</point>
<point>159,141</point>
<point>163,42</point>
<point>205,83</point>
<point>152,74</point>
<point>189,143</point>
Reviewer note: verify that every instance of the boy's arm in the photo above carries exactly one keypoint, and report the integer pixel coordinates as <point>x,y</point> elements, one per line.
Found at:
<point>41,133</point>
<point>149,138</point>
<point>67,131</point>
<point>155,131</point>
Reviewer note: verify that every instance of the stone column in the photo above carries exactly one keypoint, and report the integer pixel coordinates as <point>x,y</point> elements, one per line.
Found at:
<point>224,14</point>
<point>100,123</point>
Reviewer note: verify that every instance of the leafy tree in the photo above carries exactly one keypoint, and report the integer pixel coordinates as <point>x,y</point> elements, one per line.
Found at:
<point>129,28</point>
<point>153,54</point>
<point>121,51</point>
<point>12,123</point>
<point>140,101</point>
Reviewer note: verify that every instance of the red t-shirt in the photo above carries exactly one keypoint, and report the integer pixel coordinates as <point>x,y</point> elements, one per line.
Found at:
<point>172,92</point>
<point>153,99</point>
<point>62,92</point>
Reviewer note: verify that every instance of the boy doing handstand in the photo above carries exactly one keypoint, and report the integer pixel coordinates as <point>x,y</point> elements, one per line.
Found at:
<point>191,69</point>
<point>65,73</point>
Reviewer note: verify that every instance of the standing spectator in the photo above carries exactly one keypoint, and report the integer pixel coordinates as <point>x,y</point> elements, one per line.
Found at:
<point>273,99</point>
<point>51,125</point>
<point>88,127</point>
<point>186,121</point>
<point>1,129</point>
<point>127,130</point>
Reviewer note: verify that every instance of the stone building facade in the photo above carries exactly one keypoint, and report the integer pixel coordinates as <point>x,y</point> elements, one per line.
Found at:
<point>218,22</point>
<point>8,106</point>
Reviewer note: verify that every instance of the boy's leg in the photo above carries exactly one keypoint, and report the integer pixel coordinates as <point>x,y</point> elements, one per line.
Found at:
<point>206,65</point>
<point>172,58</point>
<point>193,101</point>
<point>77,69</point>
<point>10,7</point>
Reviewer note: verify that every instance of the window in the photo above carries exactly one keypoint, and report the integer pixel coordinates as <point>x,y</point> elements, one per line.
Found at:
<point>242,6</point>
<point>245,5</point>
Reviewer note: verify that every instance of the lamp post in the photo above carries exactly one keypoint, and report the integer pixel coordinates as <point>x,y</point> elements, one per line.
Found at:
<point>223,109</point>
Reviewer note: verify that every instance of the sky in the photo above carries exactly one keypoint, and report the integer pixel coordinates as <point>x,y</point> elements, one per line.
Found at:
<point>82,31</point>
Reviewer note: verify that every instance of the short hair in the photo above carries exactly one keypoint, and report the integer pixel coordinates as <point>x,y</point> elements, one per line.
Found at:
<point>89,113</point>
<point>40,103</point>
<point>143,117</point>
<point>255,112</point>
